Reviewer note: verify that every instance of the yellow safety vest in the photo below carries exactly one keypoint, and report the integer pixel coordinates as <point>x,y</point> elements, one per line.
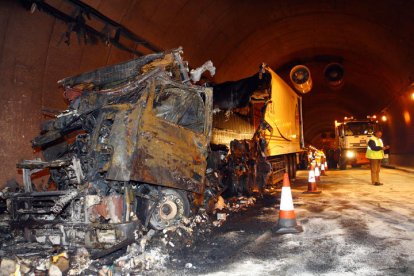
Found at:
<point>372,154</point>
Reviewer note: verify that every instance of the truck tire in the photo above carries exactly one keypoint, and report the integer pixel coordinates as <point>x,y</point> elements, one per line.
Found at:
<point>290,165</point>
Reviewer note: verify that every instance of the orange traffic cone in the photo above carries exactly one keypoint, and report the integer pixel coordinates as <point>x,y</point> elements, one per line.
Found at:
<point>323,169</point>
<point>287,219</point>
<point>317,173</point>
<point>312,187</point>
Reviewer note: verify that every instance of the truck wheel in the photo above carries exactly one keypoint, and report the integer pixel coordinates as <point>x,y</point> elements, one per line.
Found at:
<point>290,164</point>
<point>170,209</point>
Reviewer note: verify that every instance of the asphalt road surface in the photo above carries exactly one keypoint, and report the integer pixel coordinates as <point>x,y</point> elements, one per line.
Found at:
<point>351,228</point>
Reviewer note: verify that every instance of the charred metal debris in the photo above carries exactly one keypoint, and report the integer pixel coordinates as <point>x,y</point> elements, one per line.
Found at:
<point>91,26</point>
<point>132,152</point>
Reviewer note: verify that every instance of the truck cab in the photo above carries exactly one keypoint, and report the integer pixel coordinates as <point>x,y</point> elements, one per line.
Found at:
<point>130,151</point>
<point>352,138</point>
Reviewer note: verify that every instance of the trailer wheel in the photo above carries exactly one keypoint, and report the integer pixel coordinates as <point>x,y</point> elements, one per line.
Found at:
<point>170,209</point>
<point>290,165</point>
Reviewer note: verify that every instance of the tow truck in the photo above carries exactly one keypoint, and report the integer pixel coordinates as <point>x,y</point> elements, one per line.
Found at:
<point>352,136</point>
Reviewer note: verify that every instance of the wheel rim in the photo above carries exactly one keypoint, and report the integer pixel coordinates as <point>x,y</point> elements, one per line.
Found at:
<point>168,210</point>
<point>172,207</point>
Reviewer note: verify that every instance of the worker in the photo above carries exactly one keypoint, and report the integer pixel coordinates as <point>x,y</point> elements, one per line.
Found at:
<point>375,153</point>
<point>318,157</point>
<point>322,155</point>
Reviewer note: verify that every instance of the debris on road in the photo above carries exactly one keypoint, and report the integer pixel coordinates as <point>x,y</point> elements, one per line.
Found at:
<point>148,251</point>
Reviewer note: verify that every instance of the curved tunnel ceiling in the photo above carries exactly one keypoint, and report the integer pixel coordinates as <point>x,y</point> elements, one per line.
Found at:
<point>373,40</point>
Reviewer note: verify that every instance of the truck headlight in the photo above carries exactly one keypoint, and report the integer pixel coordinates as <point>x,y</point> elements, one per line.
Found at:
<point>350,154</point>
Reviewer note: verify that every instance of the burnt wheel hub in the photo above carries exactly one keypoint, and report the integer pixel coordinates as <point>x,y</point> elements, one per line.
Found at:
<point>171,208</point>
<point>168,210</point>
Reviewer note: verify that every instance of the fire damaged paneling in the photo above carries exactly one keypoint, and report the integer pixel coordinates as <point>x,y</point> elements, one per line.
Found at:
<point>167,154</point>
<point>131,149</point>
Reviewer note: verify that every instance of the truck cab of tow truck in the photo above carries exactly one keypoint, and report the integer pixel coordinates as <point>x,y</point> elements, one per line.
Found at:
<point>352,136</point>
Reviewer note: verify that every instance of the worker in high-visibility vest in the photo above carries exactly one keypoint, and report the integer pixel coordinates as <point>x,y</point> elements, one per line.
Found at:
<point>375,153</point>
<point>318,157</point>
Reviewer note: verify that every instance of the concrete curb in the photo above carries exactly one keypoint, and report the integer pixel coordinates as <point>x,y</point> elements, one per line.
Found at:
<point>404,169</point>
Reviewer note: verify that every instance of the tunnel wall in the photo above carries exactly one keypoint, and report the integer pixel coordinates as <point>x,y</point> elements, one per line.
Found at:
<point>32,59</point>
<point>22,60</point>
<point>399,130</point>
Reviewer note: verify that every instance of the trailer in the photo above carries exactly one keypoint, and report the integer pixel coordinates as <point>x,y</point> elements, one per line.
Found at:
<point>266,132</point>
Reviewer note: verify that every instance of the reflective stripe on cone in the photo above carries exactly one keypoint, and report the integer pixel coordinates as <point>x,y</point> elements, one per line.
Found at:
<point>311,177</point>
<point>312,187</point>
<point>323,169</point>
<point>317,174</point>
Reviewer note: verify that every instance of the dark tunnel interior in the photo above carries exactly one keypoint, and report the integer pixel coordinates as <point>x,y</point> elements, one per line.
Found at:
<point>372,41</point>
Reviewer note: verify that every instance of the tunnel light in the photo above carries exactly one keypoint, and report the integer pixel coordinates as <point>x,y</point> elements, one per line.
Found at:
<point>407,117</point>
<point>350,154</point>
<point>384,118</point>
<point>412,96</point>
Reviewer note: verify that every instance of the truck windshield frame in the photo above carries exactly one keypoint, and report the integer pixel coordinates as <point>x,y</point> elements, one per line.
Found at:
<point>185,108</point>
<point>358,128</point>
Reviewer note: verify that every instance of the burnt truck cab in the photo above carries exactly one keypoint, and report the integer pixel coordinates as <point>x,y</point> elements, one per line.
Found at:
<point>130,151</point>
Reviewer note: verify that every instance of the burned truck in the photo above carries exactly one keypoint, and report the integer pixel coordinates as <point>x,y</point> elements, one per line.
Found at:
<point>137,148</point>
<point>130,151</point>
